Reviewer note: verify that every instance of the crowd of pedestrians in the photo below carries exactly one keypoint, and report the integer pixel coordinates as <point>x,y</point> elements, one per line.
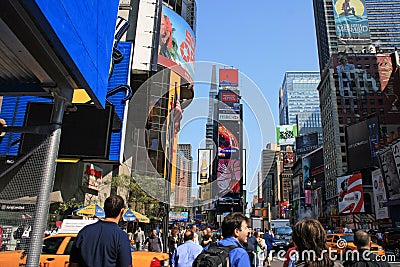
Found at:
<point>105,244</point>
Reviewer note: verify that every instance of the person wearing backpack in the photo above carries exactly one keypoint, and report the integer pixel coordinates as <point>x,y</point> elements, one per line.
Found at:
<point>229,251</point>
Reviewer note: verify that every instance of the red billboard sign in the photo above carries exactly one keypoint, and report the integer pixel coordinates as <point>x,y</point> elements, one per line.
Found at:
<point>228,77</point>
<point>229,97</point>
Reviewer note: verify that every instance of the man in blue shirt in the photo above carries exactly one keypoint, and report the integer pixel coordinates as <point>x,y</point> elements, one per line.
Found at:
<point>235,230</point>
<point>185,254</point>
<point>103,243</point>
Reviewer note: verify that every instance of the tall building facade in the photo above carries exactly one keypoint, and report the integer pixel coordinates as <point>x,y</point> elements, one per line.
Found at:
<point>183,175</point>
<point>383,24</point>
<point>270,170</point>
<point>299,95</point>
<point>359,84</point>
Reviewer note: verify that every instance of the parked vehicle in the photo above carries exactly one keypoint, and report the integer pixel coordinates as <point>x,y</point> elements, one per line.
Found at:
<point>391,240</point>
<point>279,223</point>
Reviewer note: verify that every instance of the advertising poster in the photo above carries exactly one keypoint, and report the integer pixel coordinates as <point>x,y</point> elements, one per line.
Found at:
<point>306,166</point>
<point>288,159</point>
<point>178,216</point>
<point>351,21</point>
<point>228,77</point>
<point>350,77</point>
<point>177,44</point>
<point>229,166</point>
<point>393,181</point>
<point>385,69</point>
<point>286,134</point>
<point>92,176</point>
<point>390,173</point>
<point>378,186</point>
<point>296,188</point>
<point>306,143</point>
<point>350,193</point>
<point>204,166</point>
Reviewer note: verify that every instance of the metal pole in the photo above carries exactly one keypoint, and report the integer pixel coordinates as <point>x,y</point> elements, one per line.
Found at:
<point>269,216</point>
<point>46,186</point>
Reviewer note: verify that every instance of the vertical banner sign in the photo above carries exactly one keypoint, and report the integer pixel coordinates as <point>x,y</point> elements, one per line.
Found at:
<point>390,173</point>
<point>378,186</point>
<point>91,176</point>
<point>204,166</point>
<point>395,182</point>
<point>351,194</point>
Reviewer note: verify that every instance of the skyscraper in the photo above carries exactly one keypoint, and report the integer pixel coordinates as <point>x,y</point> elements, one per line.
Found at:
<point>382,29</point>
<point>299,102</point>
<point>359,84</point>
<point>184,175</point>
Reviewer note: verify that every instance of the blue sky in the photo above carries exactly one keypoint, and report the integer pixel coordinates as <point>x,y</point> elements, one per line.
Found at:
<point>262,39</point>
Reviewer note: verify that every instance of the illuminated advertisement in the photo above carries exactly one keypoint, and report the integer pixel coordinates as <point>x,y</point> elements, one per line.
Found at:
<point>229,166</point>
<point>178,216</point>
<point>228,77</point>
<point>286,134</point>
<point>394,183</point>
<point>204,166</point>
<point>378,186</point>
<point>351,21</point>
<point>350,193</point>
<point>288,159</point>
<point>306,143</point>
<point>177,44</point>
<point>229,97</point>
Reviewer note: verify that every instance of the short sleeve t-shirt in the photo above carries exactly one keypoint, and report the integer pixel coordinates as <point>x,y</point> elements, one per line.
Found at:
<point>102,244</point>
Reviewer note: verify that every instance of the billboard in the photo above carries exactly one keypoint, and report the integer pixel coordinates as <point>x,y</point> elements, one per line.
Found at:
<point>296,187</point>
<point>229,164</point>
<point>178,216</point>
<point>288,159</point>
<point>390,173</point>
<point>306,143</point>
<point>177,44</point>
<point>350,193</point>
<point>378,186</point>
<point>362,140</point>
<point>351,78</point>
<point>204,167</point>
<point>228,77</point>
<point>228,96</point>
<point>92,176</point>
<point>286,134</point>
<point>351,21</point>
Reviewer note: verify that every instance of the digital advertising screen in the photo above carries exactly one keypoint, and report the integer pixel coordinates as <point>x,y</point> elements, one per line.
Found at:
<point>286,134</point>
<point>177,44</point>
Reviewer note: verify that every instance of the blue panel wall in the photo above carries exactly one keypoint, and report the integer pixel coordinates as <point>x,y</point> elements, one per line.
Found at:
<point>13,111</point>
<point>120,76</point>
<point>86,30</point>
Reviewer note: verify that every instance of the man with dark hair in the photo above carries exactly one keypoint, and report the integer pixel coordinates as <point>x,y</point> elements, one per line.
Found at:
<point>365,257</point>
<point>251,246</point>
<point>103,243</point>
<point>235,230</point>
<point>185,254</point>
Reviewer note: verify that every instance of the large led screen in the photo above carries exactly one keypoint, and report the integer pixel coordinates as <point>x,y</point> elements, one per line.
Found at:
<point>306,143</point>
<point>177,44</point>
<point>228,77</point>
<point>362,140</point>
<point>286,134</point>
<point>229,165</point>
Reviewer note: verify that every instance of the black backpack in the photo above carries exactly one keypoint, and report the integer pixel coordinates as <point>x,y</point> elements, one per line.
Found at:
<point>214,256</point>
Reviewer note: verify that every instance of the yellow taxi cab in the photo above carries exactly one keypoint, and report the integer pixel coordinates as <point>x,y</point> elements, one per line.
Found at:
<point>345,242</point>
<point>57,248</point>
